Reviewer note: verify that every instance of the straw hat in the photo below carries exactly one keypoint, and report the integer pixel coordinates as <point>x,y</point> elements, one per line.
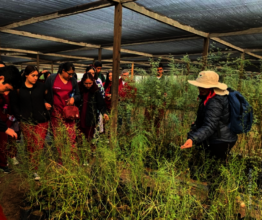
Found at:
<point>208,80</point>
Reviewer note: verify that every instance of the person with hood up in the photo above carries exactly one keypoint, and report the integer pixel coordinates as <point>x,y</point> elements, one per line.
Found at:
<point>211,130</point>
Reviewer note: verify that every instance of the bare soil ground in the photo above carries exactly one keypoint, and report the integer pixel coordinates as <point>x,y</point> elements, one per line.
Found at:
<point>11,195</point>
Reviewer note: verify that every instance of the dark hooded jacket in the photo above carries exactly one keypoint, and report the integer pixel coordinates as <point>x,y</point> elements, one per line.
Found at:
<point>212,122</point>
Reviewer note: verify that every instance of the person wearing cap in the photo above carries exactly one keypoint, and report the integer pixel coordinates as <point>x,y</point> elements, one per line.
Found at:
<point>98,67</point>
<point>211,130</point>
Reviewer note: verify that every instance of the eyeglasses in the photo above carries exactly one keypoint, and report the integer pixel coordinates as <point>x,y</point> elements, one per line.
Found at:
<point>70,74</point>
<point>88,83</point>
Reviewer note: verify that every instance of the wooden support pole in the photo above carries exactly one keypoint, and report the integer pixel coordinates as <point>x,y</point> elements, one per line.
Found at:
<point>116,67</point>
<point>37,61</point>
<point>205,52</point>
<point>241,71</point>
<point>100,54</point>
<point>132,71</point>
<point>52,67</point>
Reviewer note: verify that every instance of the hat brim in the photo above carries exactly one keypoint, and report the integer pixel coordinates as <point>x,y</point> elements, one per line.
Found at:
<point>221,92</point>
<point>220,86</point>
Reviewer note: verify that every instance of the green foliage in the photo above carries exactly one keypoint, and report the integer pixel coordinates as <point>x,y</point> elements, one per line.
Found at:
<point>146,175</point>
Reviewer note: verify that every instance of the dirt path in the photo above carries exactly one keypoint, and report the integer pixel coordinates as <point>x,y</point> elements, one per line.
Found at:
<point>11,195</point>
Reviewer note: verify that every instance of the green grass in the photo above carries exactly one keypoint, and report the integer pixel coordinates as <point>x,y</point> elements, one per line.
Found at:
<point>146,175</point>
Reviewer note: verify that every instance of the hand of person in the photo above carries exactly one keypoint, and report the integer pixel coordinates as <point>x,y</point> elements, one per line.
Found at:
<point>188,144</point>
<point>11,133</point>
<point>71,101</point>
<point>48,106</point>
<point>106,117</point>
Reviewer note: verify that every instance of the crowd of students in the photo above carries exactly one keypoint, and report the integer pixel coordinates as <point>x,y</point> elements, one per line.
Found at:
<point>37,104</point>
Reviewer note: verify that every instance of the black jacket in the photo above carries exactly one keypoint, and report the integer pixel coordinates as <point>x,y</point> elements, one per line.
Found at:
<point>49,87</point>
<point>96,105</point>
<point>28,104</point>
<point>3,126</point>
<point>212,122</point>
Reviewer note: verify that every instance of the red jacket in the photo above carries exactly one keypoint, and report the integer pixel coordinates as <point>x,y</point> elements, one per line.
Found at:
<point>125,91</point>
<point>107,96</point>
<point>2,216</point>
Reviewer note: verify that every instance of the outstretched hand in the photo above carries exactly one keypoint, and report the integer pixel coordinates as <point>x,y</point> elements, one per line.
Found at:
<point>11,133</point>
<point>188,144</point>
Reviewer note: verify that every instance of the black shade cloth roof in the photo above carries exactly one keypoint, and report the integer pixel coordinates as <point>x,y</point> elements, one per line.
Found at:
<point>18,10</point>
<point>26,43</point>
<point>251,41</point>
<point>210,15</point>
<point>97,27</point>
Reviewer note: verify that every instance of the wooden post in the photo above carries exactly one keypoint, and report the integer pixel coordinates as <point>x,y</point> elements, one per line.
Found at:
<point>116,67</point>
<point>100,54</point>
<point>132,71</point>
<point>188,68</point>
<point>241,71</point>
<point>205,52</point>
<point>37,61</point>
<point>52,67</point>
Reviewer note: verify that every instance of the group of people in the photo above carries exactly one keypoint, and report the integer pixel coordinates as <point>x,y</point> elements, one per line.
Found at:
<point>34,103</point>
<point>37,104</point>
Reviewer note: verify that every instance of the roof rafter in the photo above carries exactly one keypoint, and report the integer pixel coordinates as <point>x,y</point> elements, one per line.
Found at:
<point>62,13</point>
<point>156,16</point>
<point>131,51</point>
<point>49,38</point>
<point>46,54</point>
<point>248,31</point>
<point>142,10</point>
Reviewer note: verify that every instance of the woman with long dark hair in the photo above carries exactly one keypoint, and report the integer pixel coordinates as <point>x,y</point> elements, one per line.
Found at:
<point>30,109</point>
<point>98,81</point>
<point>62,90</point>
<point>107,86</point>
<point>91,103</point>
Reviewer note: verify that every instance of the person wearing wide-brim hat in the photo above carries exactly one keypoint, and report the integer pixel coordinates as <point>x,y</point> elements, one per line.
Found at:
<point>211,130</point>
